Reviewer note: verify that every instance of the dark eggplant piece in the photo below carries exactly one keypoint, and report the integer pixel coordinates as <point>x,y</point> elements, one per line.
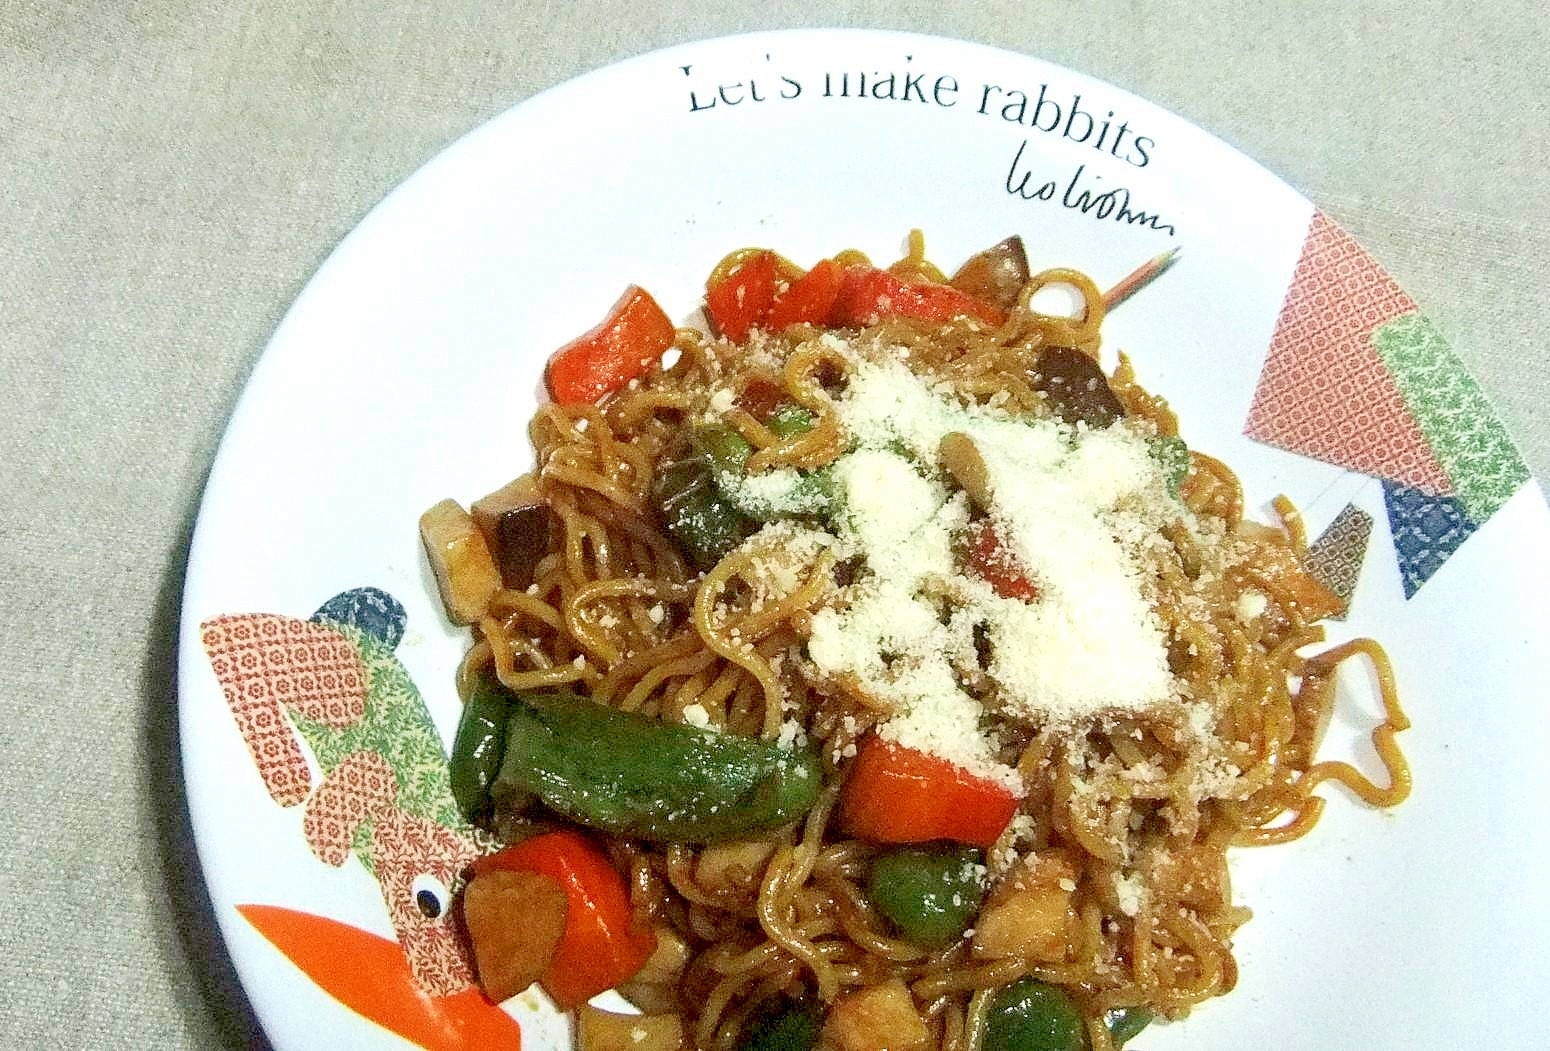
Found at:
<point>519,528</point>
<point>996,275</point>
<point>1075,388</point>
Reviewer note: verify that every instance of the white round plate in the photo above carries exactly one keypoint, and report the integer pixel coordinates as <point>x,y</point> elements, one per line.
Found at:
<point>408,368</point>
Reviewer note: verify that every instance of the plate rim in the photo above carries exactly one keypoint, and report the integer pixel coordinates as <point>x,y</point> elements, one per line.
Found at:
<point>191,676</point>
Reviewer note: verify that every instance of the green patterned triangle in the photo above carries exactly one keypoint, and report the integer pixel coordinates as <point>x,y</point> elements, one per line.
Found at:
<point>1453,413</point>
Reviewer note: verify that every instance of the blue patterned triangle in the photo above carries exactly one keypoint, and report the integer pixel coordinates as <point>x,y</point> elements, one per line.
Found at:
<point>1427,530</point>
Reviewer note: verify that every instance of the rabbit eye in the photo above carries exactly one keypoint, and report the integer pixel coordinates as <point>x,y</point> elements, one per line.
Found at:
<point>430,896</point>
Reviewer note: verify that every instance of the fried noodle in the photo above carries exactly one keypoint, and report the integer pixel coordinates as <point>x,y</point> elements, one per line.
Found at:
<point>616,611</point>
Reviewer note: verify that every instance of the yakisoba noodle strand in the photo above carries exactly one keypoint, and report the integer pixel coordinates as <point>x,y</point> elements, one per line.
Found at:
<point>1108,891</point>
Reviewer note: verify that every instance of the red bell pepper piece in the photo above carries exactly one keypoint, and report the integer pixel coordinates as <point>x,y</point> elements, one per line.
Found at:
<point>895,794</point>
<point>635,333</point>
<point>601,946</point>
<point>868,295</point>
<point>740,298</point>
<point>988,557</point>
<point>810,298</point>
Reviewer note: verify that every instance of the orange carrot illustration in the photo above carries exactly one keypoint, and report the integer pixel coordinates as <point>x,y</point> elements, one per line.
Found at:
<point>370,975</point>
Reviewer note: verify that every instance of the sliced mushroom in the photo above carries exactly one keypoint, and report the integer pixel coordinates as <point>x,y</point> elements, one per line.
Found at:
<point>599,1030</point>
<point>460,557</point>
<point>876,1016</point>
<point>733,868</point>
<point>1031,915</point>
<point>961,459</point>
<point>654,988</point>
<point>515,921</point>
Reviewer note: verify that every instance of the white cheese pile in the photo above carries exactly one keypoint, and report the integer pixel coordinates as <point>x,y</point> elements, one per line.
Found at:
<point>1074,507</point>
<point>1090,642</point>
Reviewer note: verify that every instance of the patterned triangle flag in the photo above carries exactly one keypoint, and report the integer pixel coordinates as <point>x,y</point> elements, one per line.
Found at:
<point>1463,430</point>
<point>1427,530</point>
<point>1335,558</point>
<point>1357,377</point>
<point>1323,391</point>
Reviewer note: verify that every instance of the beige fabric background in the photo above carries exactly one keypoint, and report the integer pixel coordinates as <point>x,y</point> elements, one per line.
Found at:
<point>171,173</point>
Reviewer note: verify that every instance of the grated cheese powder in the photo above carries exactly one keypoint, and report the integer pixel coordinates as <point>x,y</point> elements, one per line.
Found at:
<point>1074,506</point>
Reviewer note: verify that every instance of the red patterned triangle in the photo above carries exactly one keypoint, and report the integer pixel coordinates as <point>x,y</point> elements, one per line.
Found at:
<point>1324,391</point>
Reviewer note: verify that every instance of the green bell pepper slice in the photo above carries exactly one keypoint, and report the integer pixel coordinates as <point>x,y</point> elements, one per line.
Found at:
<point>697,515</point>
<point>790,420</point>
<point>639,777</point>
<point>1030,1015</point>
<point>794,1028</point>
<point>930,895</point>
<point>478,748</point>
<point>1127,1022</point>
<point>726,453</point>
